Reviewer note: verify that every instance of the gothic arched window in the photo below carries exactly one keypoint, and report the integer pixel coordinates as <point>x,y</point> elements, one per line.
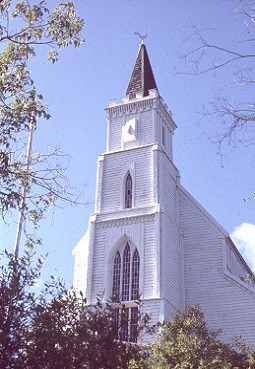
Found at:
<point>125,288</point>
<point>116,277</point>
<point>135,276</point>
<point>128,191</point>
<point>126,274</point>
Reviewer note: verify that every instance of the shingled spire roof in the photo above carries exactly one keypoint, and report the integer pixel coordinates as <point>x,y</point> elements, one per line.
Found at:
<point>142,79</point>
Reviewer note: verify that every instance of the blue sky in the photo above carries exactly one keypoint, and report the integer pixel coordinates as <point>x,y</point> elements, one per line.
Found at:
<point>81,84</point>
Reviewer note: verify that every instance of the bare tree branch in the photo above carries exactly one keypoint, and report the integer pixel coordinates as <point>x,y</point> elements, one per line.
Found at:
<point>237,114</point>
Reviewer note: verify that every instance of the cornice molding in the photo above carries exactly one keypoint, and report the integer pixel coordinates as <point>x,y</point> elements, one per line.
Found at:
<point>131,107</point>
<point>124,221</point>
<point>140,105</point>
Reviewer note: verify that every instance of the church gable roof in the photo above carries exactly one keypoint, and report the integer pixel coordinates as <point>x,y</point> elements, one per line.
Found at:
<point>142,79</point>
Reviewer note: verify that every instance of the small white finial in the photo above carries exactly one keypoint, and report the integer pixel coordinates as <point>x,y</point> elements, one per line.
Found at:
<point>141,37</point>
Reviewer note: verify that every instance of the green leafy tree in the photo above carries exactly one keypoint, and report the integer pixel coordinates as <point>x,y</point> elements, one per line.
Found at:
<point>18,304</point>
<point>51,327</point>
<point>74,335</point>
<point>186,343</point>
<point>29,182</point>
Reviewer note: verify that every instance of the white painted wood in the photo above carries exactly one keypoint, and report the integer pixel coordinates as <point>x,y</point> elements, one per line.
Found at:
<point>186,257</point>
<point>228,302</point>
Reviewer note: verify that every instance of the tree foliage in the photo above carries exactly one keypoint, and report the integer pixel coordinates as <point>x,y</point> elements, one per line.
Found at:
<point>17,305</point>
<point>51,327</point>
<point>187,342</point>
<point>233,105</point>
<point>47,327</point>
<point>29,181</point>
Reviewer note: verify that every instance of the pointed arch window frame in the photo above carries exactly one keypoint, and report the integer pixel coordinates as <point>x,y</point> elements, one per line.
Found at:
<point>128,191</point>
<point>128,168</point>
<point>126,272</point>
<point>116,277</point>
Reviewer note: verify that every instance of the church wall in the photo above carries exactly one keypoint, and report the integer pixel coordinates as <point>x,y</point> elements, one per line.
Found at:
<point>114,132</point>
<point>170,309</point>
<point>116,165</point>
<point>168,179</point>
<point>144,178</point>
<point>144,121</point>
<point>171,275</point>
<point>155,310</point>
<point>81,265</point>
<point>161,123</point>
<point>227,304</point>
<point>171,267</point>
<point>109,236</point>
<point>236,311</point>
<point>202,243</point>
<point>97,269</point>
<point>146,128</point>
<point>150,287</point>
<point>184,256</point>
<point>112,181</point>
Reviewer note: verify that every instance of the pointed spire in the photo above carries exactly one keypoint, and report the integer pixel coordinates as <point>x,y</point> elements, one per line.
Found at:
<point>142,79</point>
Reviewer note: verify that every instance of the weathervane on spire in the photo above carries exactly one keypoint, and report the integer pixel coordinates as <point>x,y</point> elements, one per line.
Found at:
<point>141,37</point>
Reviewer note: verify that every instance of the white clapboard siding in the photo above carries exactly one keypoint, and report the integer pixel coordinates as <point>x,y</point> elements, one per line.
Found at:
<point>98,263</point>
<point>117,117</point>
<point>169,178</point>
<point>146,128</point>
<point>150,266</point>
<point>114,174</point>
<point>228,304</point>
<point>154,308</point>
<point>107,236</point>
<point>163,120</point>
<point>171,262</point>
<point>186,257</point>
<point>81,253</point>
<point>114,133</point>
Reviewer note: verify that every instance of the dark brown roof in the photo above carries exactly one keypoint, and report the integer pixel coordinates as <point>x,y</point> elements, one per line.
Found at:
<point>142,79</point>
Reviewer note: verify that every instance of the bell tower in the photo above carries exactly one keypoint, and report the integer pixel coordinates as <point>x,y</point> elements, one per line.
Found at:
<point>133,247</point>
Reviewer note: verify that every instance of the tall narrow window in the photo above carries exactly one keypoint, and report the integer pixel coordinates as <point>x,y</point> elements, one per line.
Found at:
<point>163,132</point>
<point>133,324</point>
<point>126,273</point>
<point>128,191</point>
<point>125,289</point>
<point>116,277</point>
<point>124,326</point>
<point>135,276</point>
<point>116,320</point>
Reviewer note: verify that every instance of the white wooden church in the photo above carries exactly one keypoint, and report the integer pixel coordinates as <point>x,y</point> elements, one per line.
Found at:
<point>148,238</point>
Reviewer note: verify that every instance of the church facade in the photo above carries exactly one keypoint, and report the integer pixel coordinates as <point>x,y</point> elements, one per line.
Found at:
<point>148,238</point>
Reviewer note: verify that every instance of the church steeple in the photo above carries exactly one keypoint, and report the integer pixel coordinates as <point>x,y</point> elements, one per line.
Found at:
<point>142,79</point>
